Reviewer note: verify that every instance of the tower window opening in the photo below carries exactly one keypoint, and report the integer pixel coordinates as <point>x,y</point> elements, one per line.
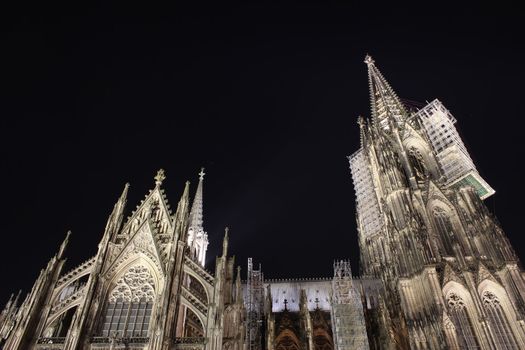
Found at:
<point>461,319</point>
<point>418,163</point>
<point>445,230</point>
<point>498,321</point>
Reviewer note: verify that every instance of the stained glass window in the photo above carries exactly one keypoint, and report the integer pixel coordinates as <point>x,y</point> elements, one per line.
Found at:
<point>130,303</point>
<point>498,321</point>
<point>459,315</point>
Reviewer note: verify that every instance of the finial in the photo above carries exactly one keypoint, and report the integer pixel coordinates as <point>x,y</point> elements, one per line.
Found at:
<point>161,176</point>
<point>201,174</point>
<point>124,193</point>
<point>225,242</point>
<point>64,245</point>
<point>361,121</point>
<point>369,60</point>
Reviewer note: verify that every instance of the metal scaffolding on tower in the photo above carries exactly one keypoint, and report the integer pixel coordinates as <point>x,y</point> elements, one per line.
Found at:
<point>254,306</point>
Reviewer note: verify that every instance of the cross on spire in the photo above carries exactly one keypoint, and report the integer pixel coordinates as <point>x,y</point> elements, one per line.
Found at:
<point>285,304</point>
<point>369,60</point>
<point>161,176</point>
<point>201,174</point>
<point>316,303</point>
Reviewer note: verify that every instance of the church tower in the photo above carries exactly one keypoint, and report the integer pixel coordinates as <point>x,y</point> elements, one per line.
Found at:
<point>451,278</point>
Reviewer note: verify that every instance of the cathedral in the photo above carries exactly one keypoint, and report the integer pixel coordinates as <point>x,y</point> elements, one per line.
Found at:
<point>436,269</point>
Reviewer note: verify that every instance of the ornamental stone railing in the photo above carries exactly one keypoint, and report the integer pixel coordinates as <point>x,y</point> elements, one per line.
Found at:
<point>115,343</point>
<point>50,343</point>
<point>190,340</point>
<point>190,343</point>
<point>51,340</point>
<point>119,340</point>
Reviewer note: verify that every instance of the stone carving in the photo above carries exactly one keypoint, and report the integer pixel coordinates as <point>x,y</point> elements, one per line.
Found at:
<point>136,285</point>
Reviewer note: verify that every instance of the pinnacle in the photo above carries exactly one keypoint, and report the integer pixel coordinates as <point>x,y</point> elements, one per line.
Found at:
<point>161,176</point>
<point>360,121</point>
<point>196,212</point>
<point>385,104</point>
<point>225,241</point>
<point>369,60</point>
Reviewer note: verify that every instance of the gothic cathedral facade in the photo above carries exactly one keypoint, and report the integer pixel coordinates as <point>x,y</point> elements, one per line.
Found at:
<point>437,270</point>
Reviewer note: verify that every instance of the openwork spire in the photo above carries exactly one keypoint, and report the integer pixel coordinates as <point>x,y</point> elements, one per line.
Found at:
<point>384,102</point>
<point>197,237</point>
<point>196,213</point>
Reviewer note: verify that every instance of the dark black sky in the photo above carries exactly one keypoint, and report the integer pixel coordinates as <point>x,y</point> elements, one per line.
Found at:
<point>264,96</point>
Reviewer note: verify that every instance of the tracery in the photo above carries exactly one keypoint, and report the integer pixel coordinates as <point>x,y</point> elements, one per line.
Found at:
<point>418,163</point>
<point>462,321</point>
<point>498,321</point>
<point>445,229</point>
<point>130,303</point>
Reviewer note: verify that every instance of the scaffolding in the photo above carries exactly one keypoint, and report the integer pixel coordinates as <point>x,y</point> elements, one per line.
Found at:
<point>254,307</point>
<point>458,168</point>
<point>348,318</point>
<point>369,214</point>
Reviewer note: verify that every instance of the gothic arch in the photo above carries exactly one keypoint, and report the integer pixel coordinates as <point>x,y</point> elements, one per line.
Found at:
<point>193,325</point>
<point>444,218</point>
<point>443,204</point>
<point>417,147</point>
<point>62,321</point>
<point>462,311</point>
<point>287,340</point>
<point>74,278</point>
<point>500,313</point>
<point>139,259</point>
<point>130,298</point>
<point>322,339</point>
<point>54,317</point>
<point>207,287</point>
<point>189,305</point>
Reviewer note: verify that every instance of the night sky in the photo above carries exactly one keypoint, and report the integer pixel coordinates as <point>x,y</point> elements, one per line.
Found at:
<point>265,97</point>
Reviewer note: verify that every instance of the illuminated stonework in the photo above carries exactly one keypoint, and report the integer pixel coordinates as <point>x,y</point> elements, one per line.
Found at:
<point>437,271</point>
<point>451,278</point>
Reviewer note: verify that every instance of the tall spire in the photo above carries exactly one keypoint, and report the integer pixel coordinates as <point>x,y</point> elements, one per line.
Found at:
<point>384,102</point>
<point>196,213</point>
<point>115,219</point>
<point>197,238</point>
<point>63,246</point>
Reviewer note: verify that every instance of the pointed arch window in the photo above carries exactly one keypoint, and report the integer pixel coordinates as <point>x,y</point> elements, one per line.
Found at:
<point>287,340</point>
<point>500,326</point>
<point>129,306</point>
<point>418,163</point>
<point>445,229</point>
<point>462,321</point>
